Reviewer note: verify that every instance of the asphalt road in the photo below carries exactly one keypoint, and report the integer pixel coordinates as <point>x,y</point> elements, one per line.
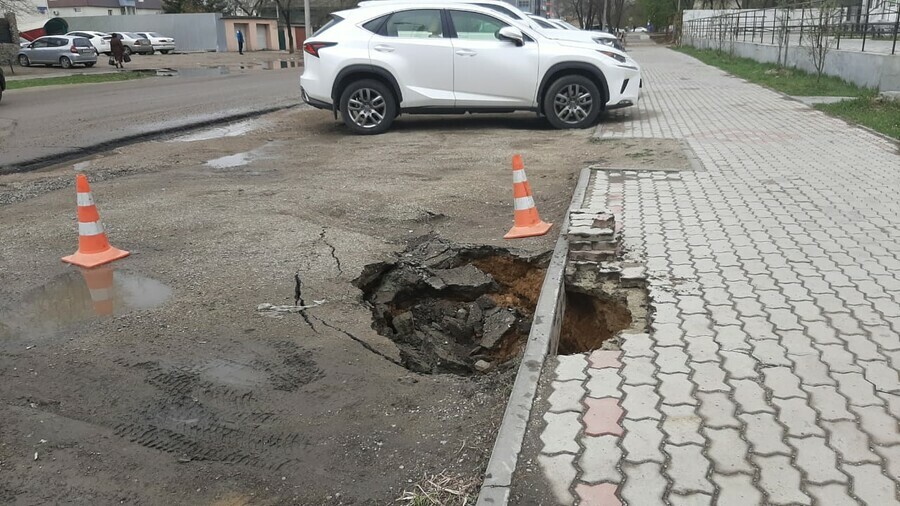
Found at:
<point>48,123</point>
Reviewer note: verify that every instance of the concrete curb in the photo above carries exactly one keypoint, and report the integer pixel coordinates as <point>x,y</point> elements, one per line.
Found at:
<point>58,158</point>
<point>542,340</point>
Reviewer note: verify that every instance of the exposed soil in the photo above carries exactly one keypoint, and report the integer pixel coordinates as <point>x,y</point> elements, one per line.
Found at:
<point>589,321</point>
<point>454,308</point>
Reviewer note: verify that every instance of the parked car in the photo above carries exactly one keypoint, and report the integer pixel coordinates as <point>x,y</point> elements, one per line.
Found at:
<point>599,37</point>
<point>99,40</point>
<point>63,50</point>
<point>2,83</point>
<point>158,42</point>
<point>520,19</point>
<point>134,43</point>
<point>373,63</point>
<point>23,42</point>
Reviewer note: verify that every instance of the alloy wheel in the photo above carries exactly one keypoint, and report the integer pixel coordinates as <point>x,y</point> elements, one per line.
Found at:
<point>366,107</point>
<point>573,103</point>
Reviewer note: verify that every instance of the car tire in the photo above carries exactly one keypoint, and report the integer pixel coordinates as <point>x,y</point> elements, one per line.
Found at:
<point>164,51</point>
<point>368,107</point>
<point>572,101</point>
<point>89,65</point>
<point>23,61</point>
<point>128,50</point>
<point>65,62</point>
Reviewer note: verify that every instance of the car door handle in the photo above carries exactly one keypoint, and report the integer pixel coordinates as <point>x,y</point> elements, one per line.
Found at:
<point>465,52</point>
<point>384,49</point>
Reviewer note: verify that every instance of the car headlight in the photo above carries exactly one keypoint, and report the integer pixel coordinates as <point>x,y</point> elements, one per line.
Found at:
<point>615,56</point>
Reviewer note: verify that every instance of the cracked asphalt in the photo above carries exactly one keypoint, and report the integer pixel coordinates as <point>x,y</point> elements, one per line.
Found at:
<point>200,398</point>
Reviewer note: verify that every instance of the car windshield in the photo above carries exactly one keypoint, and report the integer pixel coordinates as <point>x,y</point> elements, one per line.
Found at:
<point>154,34</point>
<point>132,35</point>
<point>543,23</point>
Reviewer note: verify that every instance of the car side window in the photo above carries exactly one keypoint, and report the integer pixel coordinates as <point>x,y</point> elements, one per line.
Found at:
<point>475,26</point>
<point>39,43</point>
<point>376,25</point>
<point>418,24</point>
<point>56,42</point>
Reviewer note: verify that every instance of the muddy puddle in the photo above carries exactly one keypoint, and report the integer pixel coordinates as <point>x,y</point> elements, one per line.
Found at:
<point>455,309</point>
<point>81,295</point>
<point>233,68</point>
<point>239,159</point>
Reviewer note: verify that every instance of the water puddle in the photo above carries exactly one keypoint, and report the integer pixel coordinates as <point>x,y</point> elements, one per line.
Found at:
<point>81,295</point>
<point>239,159</point>
<point>225,69</point>
<point>230,130</point>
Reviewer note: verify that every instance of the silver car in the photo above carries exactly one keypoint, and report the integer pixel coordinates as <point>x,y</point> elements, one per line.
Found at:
<point>134,43</point>
<point>63,50</point>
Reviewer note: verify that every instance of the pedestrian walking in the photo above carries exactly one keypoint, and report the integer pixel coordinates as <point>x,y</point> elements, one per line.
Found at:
<point>240,39</point>
<point>118,50</point>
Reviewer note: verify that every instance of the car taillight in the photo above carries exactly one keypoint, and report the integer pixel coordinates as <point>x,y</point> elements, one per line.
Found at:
<point>314,47</point>
<point>73,49</point>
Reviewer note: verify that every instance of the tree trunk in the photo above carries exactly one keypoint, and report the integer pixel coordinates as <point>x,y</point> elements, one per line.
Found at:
<point>290,32</point>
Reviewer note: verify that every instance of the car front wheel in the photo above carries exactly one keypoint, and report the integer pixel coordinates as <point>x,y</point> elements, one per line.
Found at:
<point>572,102</point>
<point>368,107</point>
<point>128,50</point>
<point>23,60</point>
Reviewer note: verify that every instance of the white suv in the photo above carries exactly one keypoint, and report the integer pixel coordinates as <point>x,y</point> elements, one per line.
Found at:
<point>372,63</point>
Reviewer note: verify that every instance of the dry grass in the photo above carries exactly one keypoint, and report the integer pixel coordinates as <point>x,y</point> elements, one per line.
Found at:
<point>442,490</point>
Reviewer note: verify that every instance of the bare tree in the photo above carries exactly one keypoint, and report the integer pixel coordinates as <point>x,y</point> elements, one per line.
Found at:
<point>15,6</point>
<point>284,12</point>
<point>818,39</point>
<point>249,7</point>
<point>783,35</point>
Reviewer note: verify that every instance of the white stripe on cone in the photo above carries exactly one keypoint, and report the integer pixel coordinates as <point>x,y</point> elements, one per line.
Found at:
<point>85,199</point>
<point>523,203</point>
<point>91,228</point>
<point>519,176</point>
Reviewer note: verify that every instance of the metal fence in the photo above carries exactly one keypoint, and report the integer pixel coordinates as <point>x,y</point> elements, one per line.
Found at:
<point>874,21</point>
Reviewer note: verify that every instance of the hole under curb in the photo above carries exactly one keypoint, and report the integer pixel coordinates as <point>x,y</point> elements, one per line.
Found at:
<point>453,308</point>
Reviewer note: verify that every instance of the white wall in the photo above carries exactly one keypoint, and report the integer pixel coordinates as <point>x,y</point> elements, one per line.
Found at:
<point>871,70</point>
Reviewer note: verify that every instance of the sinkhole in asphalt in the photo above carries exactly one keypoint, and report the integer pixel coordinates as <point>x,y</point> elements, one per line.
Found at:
<point>451,308</point>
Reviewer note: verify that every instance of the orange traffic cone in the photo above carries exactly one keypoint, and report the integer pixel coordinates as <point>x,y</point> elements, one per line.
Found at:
<point>93,247</point>
<point>527,223</point>
<point>100,283</point>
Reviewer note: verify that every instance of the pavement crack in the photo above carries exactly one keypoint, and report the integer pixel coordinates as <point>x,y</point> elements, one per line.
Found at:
<point>360,341</point>
<point>337,260</point>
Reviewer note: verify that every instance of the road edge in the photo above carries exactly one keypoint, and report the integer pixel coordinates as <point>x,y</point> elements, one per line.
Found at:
<point>74,153</point>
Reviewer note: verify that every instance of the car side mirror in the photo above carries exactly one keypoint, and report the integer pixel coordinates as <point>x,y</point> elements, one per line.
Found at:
<point>511,34</point>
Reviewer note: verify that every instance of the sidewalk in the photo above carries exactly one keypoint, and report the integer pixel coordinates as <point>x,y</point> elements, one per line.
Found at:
<point>770,375</point>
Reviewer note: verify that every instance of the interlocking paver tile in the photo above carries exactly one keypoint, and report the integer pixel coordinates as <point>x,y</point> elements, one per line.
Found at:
<point>571,367</point>
<point>727,451</point>
<point>687,469</point>
<point>817,460</point>
<point>798,417</point>
<point>560,433</point>
<point>870,485</point>
<point>737,489</point>
<point>644,483</point>
<point>604,383</point>
<point>750,397</point>
<point>603,494</point>
<point>829,403</point>
<point>764,433</point>
<point>560,472</point>
<point>780,480</point>
<point>851,443</point>
<point>641,441</point>
<point>682,425</point>
<point>770,372</point>
<point>566,396</point>
<point>782,382</point>
<point>600,458</point>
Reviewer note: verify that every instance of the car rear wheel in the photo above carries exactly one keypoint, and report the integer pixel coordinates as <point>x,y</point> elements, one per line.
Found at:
<point>128,50</point>
<point>65,62</point>
<point>89,65</point>
<point>23,60</point>
<point>164,51</point>
<point>572,102</point>
<point>368,107</point>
